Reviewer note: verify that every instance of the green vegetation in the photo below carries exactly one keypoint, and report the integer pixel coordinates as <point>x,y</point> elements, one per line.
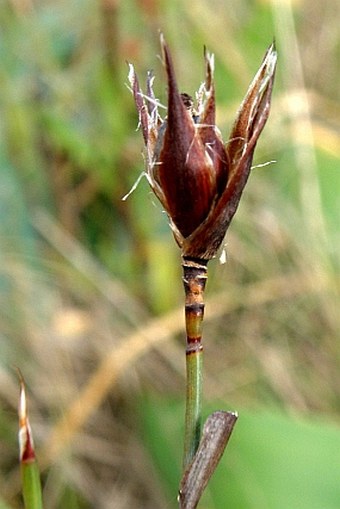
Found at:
<point>273,460</point>
<point>90,290</point>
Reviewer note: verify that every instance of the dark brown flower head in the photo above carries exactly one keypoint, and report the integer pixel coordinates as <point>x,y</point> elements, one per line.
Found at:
<point>197,178</point>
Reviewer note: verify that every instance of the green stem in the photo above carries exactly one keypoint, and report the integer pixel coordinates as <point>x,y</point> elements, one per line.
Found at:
<point>31,487</point>
<point>194,280</point>
<point>193,406</point>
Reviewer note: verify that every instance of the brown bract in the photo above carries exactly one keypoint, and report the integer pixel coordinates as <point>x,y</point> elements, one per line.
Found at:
<point>197,177</point>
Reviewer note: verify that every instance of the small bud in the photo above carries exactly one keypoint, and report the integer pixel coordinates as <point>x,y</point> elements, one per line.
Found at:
<point>30,476</point>
<point>197,178</point>
<point>26,445</point>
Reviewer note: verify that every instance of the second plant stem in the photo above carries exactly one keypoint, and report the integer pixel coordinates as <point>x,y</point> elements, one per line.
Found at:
<point>194,280</point>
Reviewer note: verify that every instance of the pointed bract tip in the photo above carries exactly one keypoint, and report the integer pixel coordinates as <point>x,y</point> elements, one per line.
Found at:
<point>131,73</point>
<point>22,408</point>
<point>26,446</point>
<point>270,58</point>
<point>22,405</point>
<point>209,57</point>
<point>165,51</point>
<point>162,38</point>
<point>210,67</point>
<point>164,46</point>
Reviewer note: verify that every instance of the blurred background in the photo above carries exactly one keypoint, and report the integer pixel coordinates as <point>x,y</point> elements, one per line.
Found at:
<point>90,285</point>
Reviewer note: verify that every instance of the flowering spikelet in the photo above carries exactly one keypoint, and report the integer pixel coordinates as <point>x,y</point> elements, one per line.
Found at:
<point>197,177</point>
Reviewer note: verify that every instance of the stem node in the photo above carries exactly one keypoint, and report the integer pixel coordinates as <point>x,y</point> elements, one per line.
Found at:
<point>194,280</point>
